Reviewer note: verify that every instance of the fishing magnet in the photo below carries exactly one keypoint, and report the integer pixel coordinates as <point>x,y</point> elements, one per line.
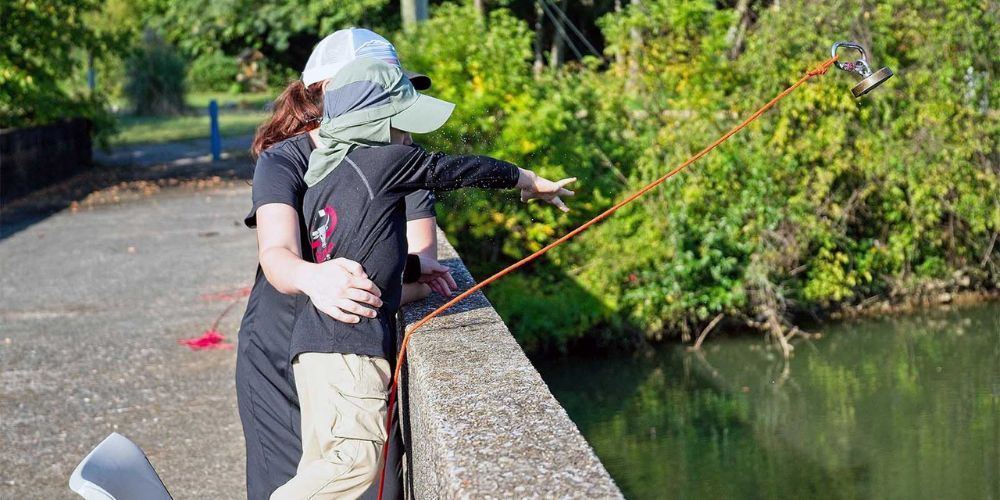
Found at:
<point>869,80</point>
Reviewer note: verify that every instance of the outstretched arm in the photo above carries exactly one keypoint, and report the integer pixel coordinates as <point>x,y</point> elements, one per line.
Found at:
<point>438,171</point>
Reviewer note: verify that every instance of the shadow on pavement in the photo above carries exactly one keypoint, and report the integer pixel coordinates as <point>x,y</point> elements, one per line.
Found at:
<point>104,185</point>
<point>147,155</point>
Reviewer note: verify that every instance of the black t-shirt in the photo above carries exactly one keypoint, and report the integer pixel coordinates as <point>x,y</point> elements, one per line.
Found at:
<point>267,323</point>
<point>358,212</point>
<point>279,177</point>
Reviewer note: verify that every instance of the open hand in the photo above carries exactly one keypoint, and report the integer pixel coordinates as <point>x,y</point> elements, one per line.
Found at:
<point>536,187</point>
<point>341,289</point>
<point>436,276</point>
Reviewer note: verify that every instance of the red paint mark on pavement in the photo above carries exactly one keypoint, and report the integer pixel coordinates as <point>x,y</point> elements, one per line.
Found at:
<point>211,339</point>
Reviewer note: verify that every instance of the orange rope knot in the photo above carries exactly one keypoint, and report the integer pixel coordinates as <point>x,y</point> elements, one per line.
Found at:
<point>822,68</point>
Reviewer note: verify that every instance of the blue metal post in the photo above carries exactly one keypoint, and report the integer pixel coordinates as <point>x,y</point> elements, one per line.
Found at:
<point>91,74</point>
<point>213,112</point>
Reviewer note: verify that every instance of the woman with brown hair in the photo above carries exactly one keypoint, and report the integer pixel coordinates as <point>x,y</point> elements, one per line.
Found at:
<point>287,277</point>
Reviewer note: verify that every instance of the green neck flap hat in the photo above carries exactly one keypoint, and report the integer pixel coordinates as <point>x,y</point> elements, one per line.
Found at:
<point>361,103</point>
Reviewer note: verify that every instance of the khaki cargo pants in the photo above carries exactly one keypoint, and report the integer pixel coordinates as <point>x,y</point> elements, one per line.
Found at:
<point>343,402</point>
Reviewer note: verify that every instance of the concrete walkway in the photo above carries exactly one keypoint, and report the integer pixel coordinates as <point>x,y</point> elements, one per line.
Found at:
<point>92,302</point>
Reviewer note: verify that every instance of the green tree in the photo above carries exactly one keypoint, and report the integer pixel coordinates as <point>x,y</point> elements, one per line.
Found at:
<point>155,77</point>
<point>40,51</point>
<point>285,31</point>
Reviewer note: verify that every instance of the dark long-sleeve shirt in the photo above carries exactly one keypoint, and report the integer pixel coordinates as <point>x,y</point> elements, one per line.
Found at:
<point>358,212</point>
<point>265,387</point>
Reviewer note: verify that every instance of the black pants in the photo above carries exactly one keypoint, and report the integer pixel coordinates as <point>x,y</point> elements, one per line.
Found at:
<point>269,411</point>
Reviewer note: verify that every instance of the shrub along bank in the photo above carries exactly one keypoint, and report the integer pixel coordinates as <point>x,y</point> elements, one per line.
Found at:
<point>826,201</point>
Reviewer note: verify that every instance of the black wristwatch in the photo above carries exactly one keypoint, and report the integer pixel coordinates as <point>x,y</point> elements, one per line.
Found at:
<point>411,271</point>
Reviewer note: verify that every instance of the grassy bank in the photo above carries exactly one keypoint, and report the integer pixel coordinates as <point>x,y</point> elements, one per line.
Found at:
<point>238,115</point>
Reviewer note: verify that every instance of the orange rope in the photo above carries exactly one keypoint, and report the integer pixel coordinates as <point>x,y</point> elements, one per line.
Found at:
<point>819,70</point>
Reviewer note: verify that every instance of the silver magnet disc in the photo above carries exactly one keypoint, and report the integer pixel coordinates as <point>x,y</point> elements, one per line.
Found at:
<point>874,80</point>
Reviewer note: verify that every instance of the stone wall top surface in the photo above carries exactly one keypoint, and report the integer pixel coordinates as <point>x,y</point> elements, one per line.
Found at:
<point>481,422</point>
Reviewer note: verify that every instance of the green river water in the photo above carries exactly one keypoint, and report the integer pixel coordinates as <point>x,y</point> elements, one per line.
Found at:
<point>905,407</point>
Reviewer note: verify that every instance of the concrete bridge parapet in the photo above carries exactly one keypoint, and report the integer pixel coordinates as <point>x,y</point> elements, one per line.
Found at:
<point>479,420</point>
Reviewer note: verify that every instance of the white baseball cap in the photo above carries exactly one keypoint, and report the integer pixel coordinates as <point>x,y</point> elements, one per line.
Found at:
<point>343,46</point>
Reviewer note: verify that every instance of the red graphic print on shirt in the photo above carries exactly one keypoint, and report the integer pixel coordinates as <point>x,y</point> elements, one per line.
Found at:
<point>325,222</point>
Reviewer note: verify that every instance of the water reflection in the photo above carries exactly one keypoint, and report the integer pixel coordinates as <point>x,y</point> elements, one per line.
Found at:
<point>900,408</point>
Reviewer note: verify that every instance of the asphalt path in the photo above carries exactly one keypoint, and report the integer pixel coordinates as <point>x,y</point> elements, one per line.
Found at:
<point>93,300</point>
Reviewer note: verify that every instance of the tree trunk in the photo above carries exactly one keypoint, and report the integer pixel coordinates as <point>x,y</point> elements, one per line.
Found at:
<point>558,52</point>
<point>539,34</point>
<point>619,53</point>
<point>634,51</point>
<point>734,38</point>
<point>480,7</point>
<point>413,11</point>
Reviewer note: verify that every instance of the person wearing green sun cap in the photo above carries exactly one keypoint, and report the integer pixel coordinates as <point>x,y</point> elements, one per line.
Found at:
<point>363,102</point>
<point>358,177</point>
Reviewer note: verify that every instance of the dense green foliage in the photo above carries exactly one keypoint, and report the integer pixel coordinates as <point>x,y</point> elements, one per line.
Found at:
<point>48,45</point>
<point>213,71</point>
<point>44,44</point>
<point>155,77</point>
<point>285,31</point>
<point>826,200</point>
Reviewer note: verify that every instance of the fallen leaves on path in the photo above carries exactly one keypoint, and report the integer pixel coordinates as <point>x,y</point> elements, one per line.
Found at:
<point>111,185</point>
